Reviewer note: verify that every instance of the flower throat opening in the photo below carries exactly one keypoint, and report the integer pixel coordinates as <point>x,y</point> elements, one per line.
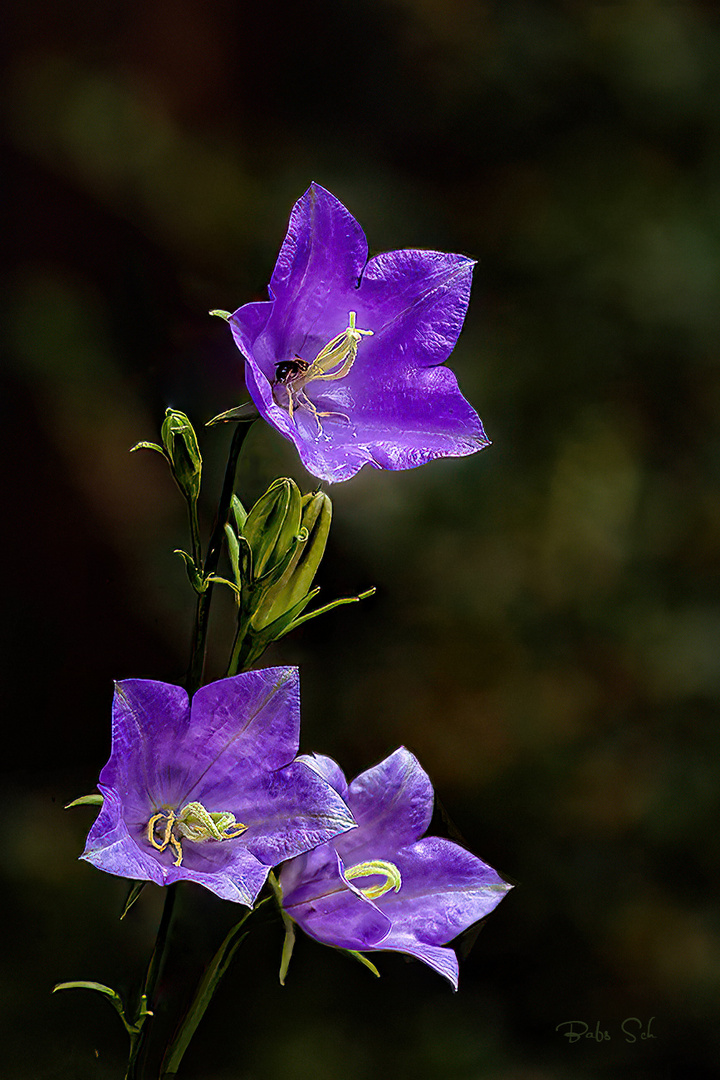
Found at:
<point>332,362</point>
<point>194,823</point>
<point>388,870</point>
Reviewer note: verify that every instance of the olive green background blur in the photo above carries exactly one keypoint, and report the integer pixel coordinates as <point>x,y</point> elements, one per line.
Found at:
<point>546,632</point>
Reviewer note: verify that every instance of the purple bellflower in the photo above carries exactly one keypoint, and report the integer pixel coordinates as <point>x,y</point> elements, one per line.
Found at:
<point>346,358</point>
<point>209,790</point>
<point>381,887</point>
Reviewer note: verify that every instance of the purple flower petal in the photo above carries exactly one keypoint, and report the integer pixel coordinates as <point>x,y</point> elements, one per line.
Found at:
<point>292,809</point>
<point>444,890</point>
<point>231,750</point>
<point>392,805</point>
<point>428,889</point>
<point>442,960</point>
<point>329,770</point>
<point>328,907</point>
<point>395,407</point>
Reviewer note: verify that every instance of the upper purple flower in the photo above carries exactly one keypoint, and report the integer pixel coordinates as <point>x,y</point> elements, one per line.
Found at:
<point>208,790</point>
<point>381,886</point>
<point>345,359</point>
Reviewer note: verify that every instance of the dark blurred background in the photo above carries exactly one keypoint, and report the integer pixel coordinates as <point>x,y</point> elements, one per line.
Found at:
<point>546,632</point>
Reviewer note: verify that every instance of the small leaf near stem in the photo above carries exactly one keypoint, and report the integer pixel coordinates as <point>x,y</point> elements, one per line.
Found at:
<point>112,996</point>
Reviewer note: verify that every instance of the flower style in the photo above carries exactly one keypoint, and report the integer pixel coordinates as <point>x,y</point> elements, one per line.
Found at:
<point>346,358</point>
<point>209,790</point>
<point>381,887</point>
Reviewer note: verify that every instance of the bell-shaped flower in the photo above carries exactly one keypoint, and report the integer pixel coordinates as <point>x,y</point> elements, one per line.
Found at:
<point>347,357</point>
<point>210,790</point>
<point>382,887</point>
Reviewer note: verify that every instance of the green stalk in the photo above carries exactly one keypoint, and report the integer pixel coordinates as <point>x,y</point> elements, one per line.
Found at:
<point>202,610</point>
<point>138,1040</point>
<point>203,996</point>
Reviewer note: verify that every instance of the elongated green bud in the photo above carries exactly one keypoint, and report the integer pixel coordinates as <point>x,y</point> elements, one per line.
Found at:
<point>272,527</point>
<point>297,580</point>
<point>181,445</point>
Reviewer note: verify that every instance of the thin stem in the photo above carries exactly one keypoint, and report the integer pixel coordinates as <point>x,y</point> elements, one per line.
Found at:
<point>194,532</point>
<point>240,655</point>
<point>204,994</point>
<point>202,610</point>
<point>138,1041</point>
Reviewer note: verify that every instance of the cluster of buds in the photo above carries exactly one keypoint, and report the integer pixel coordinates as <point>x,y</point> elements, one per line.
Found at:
<point>275,551</point>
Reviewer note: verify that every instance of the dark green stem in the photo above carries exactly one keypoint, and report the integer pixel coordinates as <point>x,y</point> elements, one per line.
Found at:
<point>138,1040</point>
<point>202,611</point>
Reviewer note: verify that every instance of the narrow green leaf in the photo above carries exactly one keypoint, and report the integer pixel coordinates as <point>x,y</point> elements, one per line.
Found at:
<point>244,413</point>
<point>288,946</point>
<point>85,985</point>
<point>113,997</point>
<point>215,579</point>
<point>288,923</point>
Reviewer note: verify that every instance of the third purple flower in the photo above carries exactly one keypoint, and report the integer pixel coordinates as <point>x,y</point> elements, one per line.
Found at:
<point>347,357</point>
<point>383,886</point>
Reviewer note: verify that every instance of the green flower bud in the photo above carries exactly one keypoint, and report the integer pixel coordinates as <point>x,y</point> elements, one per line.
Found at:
<point>297,579</point>
<point>272,530</point>
<point>181,445</point>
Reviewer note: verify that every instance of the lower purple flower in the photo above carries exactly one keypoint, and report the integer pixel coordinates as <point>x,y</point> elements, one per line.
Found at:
<point>209,790</point>
<point>381,887</point>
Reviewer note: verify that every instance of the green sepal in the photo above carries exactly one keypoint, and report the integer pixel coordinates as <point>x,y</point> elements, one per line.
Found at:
<point>362,959</point>
<point>287,949</point>
<point>149,446</point>
<point>244,414</point>
<point>95,799</point>
<point>328,607</point>
<point>136,887</point>
<point>195,577</point>
<point>284,623</point>
<point>288,923</point>
<point>180,442</point>
<point>115,1000</point>
<point>220,314</point>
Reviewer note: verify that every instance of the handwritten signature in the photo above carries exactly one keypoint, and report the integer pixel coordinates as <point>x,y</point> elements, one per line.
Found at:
<point>631,1027</point>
